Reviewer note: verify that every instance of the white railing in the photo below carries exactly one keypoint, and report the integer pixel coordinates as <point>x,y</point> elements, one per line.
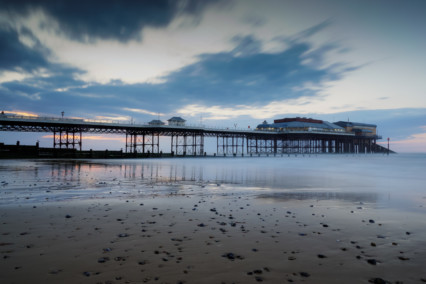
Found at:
<point>116,122</point>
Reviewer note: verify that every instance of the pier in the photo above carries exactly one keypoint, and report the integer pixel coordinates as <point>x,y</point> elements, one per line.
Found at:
<point>285,136</point>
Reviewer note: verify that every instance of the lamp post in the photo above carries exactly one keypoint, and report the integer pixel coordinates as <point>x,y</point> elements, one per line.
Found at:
<point>388,145</point>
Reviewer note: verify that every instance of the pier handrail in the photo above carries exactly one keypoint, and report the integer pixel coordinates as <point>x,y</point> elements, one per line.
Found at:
<point>133,124</point>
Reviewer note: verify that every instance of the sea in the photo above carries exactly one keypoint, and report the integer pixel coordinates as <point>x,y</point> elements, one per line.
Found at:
<point>396,181</point>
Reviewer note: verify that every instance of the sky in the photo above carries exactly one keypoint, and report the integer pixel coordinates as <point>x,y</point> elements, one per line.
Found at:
<point>217,63</point>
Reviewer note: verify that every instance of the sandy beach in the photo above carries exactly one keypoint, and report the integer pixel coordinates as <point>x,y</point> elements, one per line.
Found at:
<point>206,239</point>
<point>207,233</point>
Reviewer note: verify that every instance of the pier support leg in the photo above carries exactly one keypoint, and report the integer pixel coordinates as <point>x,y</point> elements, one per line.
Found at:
<point>67,138</point>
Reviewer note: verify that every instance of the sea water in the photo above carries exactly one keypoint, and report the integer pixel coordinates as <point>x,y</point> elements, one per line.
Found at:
<point>383,181</point>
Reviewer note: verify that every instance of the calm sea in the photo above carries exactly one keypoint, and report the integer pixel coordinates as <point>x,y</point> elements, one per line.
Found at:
<point>394,181</point>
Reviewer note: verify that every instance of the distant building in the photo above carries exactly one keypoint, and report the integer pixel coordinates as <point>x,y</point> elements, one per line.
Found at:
<point>301,124</point>
<point>360,129</point>
<point>156,122</point>
<point>176,121</point>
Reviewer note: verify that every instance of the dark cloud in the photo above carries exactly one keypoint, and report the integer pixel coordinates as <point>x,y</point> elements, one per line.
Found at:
<point>16,56</point>
<point>85,20</point>
<point>247,76</point>
<point>243,75</point>
<point>44,77</point>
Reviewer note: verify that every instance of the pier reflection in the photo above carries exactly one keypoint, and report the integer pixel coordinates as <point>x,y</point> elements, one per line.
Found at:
<point>169,171</point>
<point>162,173</point>
<point>265,182</point>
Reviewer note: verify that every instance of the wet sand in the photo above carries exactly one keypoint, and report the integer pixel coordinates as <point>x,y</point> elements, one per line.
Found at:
<point>210,237</point>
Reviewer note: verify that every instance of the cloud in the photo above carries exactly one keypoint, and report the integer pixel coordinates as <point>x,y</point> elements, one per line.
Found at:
<point>84,20</point>
<point>142,111</point>
<point>246,45</point>
<point>242,81</point>
<point>20,113</point>
<point>16,56</point>
<point>312,30</point>
<point>266,111</point>
<point>247,76</point>
<point>112,118</point>
<point>22,52</point>
<point>254,21</point>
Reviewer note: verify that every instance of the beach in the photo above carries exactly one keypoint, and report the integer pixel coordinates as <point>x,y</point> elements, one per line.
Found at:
<point>192,221</point>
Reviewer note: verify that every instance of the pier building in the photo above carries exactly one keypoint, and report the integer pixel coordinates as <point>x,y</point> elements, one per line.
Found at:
<point>156,122</point>
<point>176,121</point>
<point>360,129</point>
<point>301,124</point>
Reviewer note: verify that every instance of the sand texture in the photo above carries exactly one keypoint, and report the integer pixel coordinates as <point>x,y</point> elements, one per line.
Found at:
<point>322,219</point>
<point>207,239</point>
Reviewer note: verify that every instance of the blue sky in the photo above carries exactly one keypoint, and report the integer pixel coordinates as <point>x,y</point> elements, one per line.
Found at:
<point>218,63</point>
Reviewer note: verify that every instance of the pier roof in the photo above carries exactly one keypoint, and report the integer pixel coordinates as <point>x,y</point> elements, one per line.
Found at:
<point>307,124</point>
<point>177,118</point>
<point>354,124</point>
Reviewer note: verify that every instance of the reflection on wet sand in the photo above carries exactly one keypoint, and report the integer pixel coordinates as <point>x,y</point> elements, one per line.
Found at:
<point>352,179</point>
<point>321,195</point>
<point>172,171</point>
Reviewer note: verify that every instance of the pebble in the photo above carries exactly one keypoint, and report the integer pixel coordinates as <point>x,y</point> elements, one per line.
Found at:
<point>86,273</point>
<point>372,261</point>
<point>304,274</point>
<point>103,259</point>
<point>378,281</point>
<point>232,256</point>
